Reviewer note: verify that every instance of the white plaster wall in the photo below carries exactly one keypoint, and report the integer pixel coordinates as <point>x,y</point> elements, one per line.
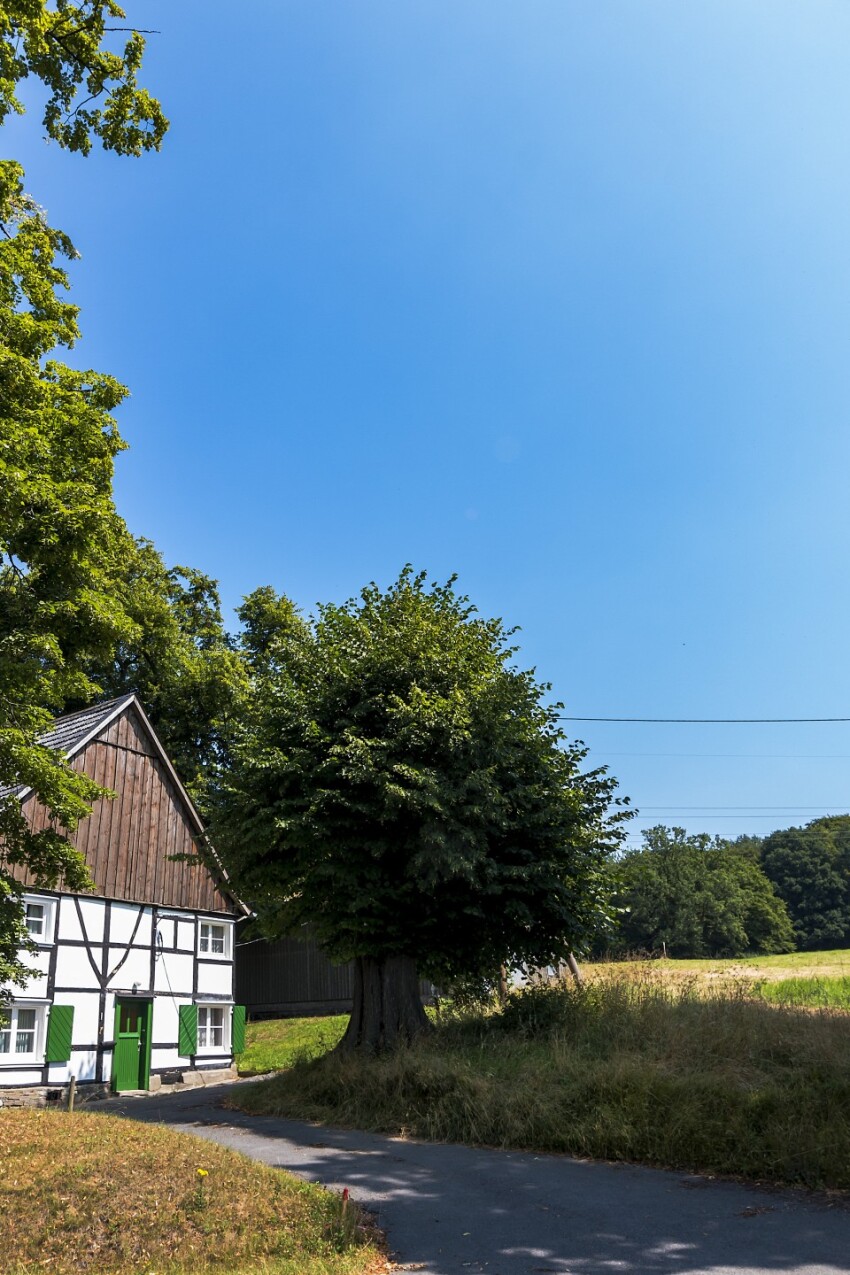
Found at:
<point>216,980</point>
<point>73,968</point>
<point>14,1079</point>
<point>165,1019</point>
<point>173,972</point>
<point>36,986</point>
<point>135,969</point>
<point>86,1006</point>
<point>93,912</point>
<point>122,922</point>
<point>83,1065</point>
<point>186,934</point>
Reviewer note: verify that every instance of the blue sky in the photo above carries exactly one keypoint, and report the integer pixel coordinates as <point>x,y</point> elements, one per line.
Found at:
<point>555,296</point>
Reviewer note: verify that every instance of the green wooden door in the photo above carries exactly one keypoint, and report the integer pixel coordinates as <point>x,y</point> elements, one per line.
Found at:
<point>132,1053</point>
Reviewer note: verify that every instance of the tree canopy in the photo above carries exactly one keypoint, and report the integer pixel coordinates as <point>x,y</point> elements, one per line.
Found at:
<point>177,655</point>
<point>401,788</point>
<point>63,548</point>
<point>93,90</point>
<point>810,870</point>
<point>697,896</point>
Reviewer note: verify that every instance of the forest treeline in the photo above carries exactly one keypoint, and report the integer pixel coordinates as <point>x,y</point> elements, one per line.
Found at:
<point>702,896</point>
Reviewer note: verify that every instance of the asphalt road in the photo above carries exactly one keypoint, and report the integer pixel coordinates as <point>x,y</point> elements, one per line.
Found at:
<point>452,1210</point>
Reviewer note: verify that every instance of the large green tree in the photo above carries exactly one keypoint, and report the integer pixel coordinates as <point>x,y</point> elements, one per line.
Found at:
<point>63,548</point>
<point>695,895</point>
<point>401,788</point>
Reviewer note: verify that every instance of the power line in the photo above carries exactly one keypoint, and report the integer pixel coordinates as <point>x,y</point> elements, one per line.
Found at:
<point>759,756</point>
<point>672,815</point>
<point>823,804</point>
<point>706,721</point>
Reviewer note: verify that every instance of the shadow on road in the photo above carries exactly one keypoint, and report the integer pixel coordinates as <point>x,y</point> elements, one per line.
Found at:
<point>450,1210</point>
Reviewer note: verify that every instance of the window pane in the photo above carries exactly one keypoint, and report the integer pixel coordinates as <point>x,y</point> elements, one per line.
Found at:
<point>35,918</point>
<point>25,1034</point>
<point>218,939</point>
<point>205,938</point>
<point>5,1040</point>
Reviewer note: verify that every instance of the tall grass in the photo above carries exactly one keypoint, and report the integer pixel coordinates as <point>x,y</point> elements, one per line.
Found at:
<point>632,1068</point>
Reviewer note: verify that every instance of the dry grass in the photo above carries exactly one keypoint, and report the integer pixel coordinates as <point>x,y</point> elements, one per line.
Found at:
<point>93,1195</point>
<point>688,1074</point>
<point>832,964</point>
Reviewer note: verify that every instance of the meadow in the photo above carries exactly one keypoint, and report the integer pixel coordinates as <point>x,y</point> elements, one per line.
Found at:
<point>96,1195</point>
<point>700,1066</point>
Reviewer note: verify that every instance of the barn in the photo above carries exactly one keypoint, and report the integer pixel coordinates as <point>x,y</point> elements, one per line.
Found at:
<point>132,984</point>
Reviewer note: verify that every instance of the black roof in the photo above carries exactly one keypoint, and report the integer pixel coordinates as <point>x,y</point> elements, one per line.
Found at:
<point>68,732</point>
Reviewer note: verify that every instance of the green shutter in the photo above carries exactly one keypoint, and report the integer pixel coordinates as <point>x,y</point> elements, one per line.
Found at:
<point>60,1026</point>
<point>238,1029</point>
<point>187,1036</point>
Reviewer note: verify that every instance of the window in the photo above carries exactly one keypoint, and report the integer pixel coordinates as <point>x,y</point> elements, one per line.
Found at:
<point>210,1027</point>
<point>214,939</point>
<point>20,1032</point>
<point>35,919</point>
<point>38,917</point>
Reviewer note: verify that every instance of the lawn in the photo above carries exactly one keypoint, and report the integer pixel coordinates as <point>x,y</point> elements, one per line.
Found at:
<point>678,1068</point>
<point>276,1043</point>
<point>95,1195</point>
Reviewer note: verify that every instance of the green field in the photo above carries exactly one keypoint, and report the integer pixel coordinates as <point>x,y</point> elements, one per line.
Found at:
<point>722,1067</point>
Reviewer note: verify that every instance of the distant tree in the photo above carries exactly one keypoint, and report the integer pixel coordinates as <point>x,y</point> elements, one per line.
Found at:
<point>810,870</point>
<point>401,788</point>
<point>697,896</point>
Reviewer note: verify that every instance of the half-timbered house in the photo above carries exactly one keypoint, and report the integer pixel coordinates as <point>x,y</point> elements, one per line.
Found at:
<point>132,983</point>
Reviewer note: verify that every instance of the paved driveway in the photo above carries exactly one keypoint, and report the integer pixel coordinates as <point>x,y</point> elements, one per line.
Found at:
<point>451,1210</point>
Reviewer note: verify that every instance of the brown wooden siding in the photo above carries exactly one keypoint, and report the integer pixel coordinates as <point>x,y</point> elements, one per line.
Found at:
<point>127,841</point>
<point>291,977</point>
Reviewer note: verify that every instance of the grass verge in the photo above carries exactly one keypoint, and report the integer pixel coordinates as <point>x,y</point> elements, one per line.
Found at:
<point>102,1196</point>
<point>276,1043</point>
<point>700,1078</point>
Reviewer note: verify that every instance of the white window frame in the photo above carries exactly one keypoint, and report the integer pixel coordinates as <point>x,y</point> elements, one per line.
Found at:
<point>9,1028</point>
<point>226,937</point>
<point>47,936</point>
<point>226,1011</point>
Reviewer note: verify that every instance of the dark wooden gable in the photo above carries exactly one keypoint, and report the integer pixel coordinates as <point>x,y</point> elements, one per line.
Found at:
<point>127,841</point>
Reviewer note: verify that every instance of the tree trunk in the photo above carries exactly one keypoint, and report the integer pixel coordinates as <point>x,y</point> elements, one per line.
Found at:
<point>572,966</point>
<point>503,985</point>
<point>387,1009</point>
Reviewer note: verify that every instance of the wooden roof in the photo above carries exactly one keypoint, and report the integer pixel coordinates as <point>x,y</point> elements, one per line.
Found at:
<point>129,843</point>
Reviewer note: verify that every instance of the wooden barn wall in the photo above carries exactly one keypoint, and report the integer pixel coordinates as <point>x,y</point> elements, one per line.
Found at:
<point>127,842</point>
<point>290,976</point>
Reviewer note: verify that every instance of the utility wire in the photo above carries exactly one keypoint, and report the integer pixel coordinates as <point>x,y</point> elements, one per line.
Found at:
<point>759,756</point>
<point>823,804</point>
<point>706,721</point>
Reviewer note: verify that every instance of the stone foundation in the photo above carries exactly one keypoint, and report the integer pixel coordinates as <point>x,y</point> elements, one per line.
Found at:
<point>57,1095</point>
<point>51,1095</point>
